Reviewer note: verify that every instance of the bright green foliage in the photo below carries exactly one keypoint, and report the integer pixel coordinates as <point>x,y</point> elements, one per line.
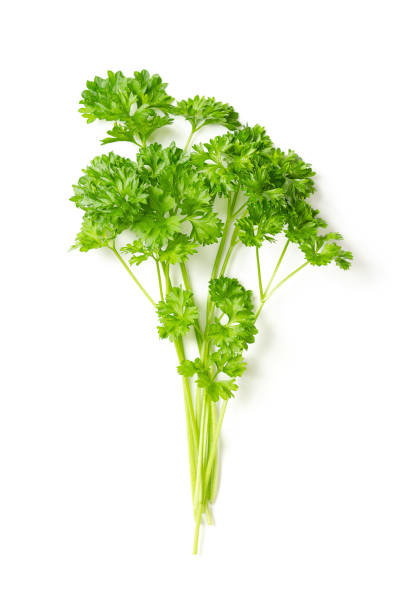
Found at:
<point>263,222</point>
<point>231,338</point>
<point>93,236</point>
<point>234,301</point>
<point>178,250</point>
<point>322,250</point>
<point>139,252</point>
<point>131,102</point>
<point>236,190</point>
<point>177,313</point>
<point>200,111</point>
<point>111,193</point>
<point>205,379</point>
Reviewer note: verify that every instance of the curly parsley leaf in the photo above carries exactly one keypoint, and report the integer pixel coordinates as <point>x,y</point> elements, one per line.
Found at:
<point>133,103</point>
<point>234,301</point>
<point>177,313</point>
<point>321,250</point>
<point>178,249</point>
<point>93,236</point>
<point>159,222</point>
<point>139,252</point>
<point>110,192</point>
<point>263,222</point>
<point>206,380</point>
<point>200,111</point>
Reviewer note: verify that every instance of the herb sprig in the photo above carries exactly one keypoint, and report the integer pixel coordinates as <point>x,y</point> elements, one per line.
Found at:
<point>169,198</point>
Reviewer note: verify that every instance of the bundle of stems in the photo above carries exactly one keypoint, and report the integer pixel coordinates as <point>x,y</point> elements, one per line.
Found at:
<point>204,417</point>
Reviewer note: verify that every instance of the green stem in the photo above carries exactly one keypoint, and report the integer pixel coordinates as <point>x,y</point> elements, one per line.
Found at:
<point>166,271</point>
<point>198,490</point>
<point>160,280</point>
<point>193,131</point>
<point>223,240</point>
<point>259,274</point>
<point>277,286</point>
<point>238,211</point>
<point>286,279</point>
<point>128,269</point>
<point>233,243</point>
<point>192,435</point>
<point>180,354</point>
<point>228,221</point>
<point>214,447</point>
<point>213,480</point>
<point>198,493</point>
<point>197,530</point>
<point>187,284</point>
<point>280,259</point>
<point>138,144</point>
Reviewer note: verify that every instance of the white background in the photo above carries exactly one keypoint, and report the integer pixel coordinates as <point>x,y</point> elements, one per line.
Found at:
<point>95,510</point>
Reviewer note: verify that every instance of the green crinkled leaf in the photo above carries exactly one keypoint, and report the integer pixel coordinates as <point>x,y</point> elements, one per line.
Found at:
<point>93,236</point>
<point>263,222</point>
<point>139,252</point>
<point>178,249</point>
<point>132,102</point>
<point>154,159</point>
<point>158,223</point>
<point>111,192</point>
<point>177,313</point>
<point>322,250</point>
<point>200,111</point>
<point>232,299</point>
<point>206,229</point>
<point>187,368</point>
<point>216,388</point>
<point>140,126</point>
<point>229,364</point>
<point>116,98</point>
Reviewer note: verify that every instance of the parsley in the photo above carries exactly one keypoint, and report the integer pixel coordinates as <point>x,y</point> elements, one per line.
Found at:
<point>169,199</point>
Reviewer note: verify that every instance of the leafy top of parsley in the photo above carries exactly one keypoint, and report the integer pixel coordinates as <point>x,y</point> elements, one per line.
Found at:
<point>200,111</point>
<point>138,105</point>
<point>168,198</point>
<point>177,313</point>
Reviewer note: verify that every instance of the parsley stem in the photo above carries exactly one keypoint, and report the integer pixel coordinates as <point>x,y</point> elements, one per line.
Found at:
<point>280,259</point>
<point>232,245</point>
<point>238,211</point>
<point>192,435</point>
<point>160,280</point>
<point>266,297</point>
<point>189,139</point>
<point>286,279</point>
<point>214,446</point>
<point>213,482</point>
<point>197,530</point>
<point>128,269</point>
<point>228,221</point>
<point>201,445</point>
<point>259,274</point>
<point>166,271</point>
<point>199,484</point>
<point>187,284</point>
<point>223,240</point>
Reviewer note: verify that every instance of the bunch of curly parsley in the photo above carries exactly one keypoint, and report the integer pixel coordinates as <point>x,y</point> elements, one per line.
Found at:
<point>169,199</point>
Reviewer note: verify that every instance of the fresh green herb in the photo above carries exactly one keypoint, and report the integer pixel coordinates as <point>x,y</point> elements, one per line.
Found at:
<point>236,190</point>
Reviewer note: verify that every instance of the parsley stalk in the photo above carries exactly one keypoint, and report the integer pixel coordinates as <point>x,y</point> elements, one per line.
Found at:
<point>132,275</point>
